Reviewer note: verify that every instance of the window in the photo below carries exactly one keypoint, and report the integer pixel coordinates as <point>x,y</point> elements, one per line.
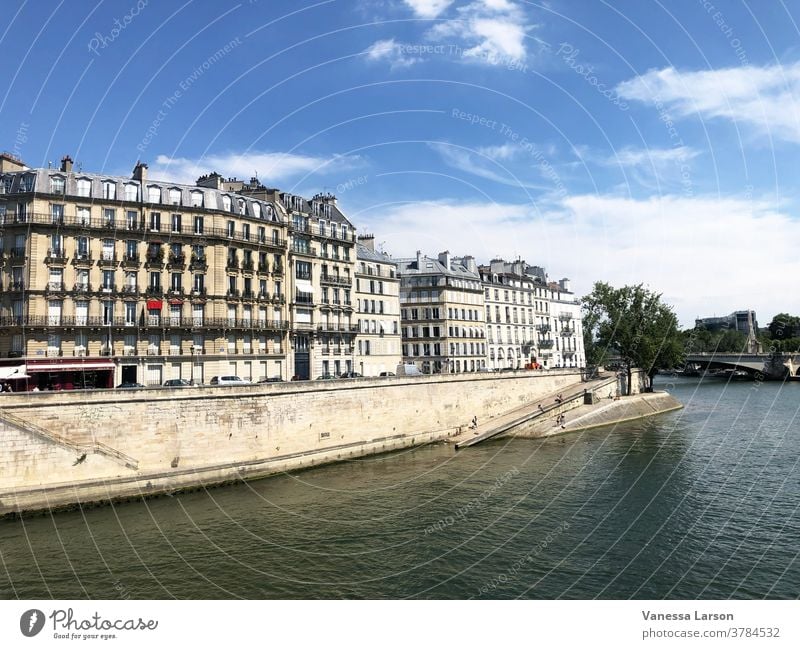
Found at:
<point>57,214</point>
<point>131,249</point>
<point>131,220</point>
<point>197,199</point>
<point>246,232</point>
<point>130,313</point>
<point>176,222</point>
<point>109,190</point>
<point>109,217</point>
<point>174,196</point>
<point>198,284</point>
<point>176,282</point>
<point>131,192</point>
<point>155,221</point>
<point>108,281</point>
<point>226,203</point>
<point>83,215</point>
<point>198,225</point>
<point>82,279</point>
<point>302,269</point>
<point>155,280</point>
<point>153,194</point>
<point>84,187</point>
<point>231,229</point>
<point>108,312</point>
<point>108,249</point>
<point>56,185</point>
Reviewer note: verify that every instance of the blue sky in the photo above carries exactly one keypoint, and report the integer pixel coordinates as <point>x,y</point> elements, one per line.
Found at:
<point>629,141</point>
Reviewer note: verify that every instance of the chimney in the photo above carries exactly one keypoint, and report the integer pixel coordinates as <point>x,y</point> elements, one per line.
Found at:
<point>66,164</point>
<point>469,263</point>
<point>419,260</point>
<point>444,259</point>
<point>368,241</point>
<point>140,173</point>
<point>564,284</point>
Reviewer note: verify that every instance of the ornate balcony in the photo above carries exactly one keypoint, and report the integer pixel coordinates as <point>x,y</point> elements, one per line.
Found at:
<point>56,257</point>
<point>108,261</point>
<point>131,260</point>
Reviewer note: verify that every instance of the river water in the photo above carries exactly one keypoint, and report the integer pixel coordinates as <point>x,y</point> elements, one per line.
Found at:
<point>699,503</point>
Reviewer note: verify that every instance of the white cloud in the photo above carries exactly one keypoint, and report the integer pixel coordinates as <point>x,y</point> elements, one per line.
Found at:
<point>391,51</point>
<point>490,31</point>
<point>765,98</point>
<point>705,254</point>
<point>272,168</point>
<point>428,8</point>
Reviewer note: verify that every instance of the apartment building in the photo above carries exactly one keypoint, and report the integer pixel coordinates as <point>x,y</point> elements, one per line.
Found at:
<point>126,279</point>
<point>377,291</point>
<point>442,314</point>
<point>530,321</point>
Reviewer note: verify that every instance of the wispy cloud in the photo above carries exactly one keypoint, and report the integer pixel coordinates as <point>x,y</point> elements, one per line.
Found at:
<point>428,8</point>
<point>272,168</point>
<point>764,98</point>
<point>664,241</point>
<point>391,51</point>
<point>483,163</point>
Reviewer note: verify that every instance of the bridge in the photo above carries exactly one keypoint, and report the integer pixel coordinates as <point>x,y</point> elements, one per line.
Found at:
<point>767,364</point>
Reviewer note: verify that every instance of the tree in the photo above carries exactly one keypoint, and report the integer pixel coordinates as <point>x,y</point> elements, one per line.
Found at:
<point>633,322</point>
<point>784,326</point>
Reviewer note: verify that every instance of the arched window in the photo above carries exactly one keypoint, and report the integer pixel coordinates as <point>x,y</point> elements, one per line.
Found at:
<point>257,210</point>
<point>226,203</point>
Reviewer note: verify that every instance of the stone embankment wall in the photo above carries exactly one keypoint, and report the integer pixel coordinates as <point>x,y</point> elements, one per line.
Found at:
<point>105,445</point>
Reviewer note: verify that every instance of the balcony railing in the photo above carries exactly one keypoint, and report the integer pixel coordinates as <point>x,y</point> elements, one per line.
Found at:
<point>149,323</point>
<point>55,287</point>
<point>567,332</point>
<point>304,298</point>
<point>57,255</point>
<point>336,279</point>
<point>544,328</point>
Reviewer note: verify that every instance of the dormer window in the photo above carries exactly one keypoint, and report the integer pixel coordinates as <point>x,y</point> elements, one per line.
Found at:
<point>84,187</point>
<point>242,207</point>
<point>197,199</point>
<point>175,196</point>
<point>131,192</point>
<point>109,190</point>
<point>154,194</point>
<point>56,185</point>
<point>257,210</point>
<point>226,203</point>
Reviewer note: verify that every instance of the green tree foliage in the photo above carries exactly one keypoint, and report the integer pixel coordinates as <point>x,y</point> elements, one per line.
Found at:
<point>633,323</point>
<point>700,339</point>
<point>784,326</point>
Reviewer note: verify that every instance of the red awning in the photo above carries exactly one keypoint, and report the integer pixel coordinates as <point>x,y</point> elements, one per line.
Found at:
<point>70,367</point>
<point>154,304</point>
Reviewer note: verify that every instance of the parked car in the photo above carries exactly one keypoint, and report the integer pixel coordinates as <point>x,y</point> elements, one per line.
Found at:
<point>271,379</point>
<point>177,383</point>
<point>127,385</point>
<point>386,374</point>
<point>408,369</point>
<point>349,375</point>
<point>228,380</point>
<point>325,377</point>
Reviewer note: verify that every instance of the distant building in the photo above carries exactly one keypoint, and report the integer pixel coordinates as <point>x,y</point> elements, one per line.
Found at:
<point>530,319</point>
<point>743,321</point>
<point>442,314</point>
<point>377,293</point>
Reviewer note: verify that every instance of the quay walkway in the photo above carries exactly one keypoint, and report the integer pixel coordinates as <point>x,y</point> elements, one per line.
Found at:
<point>539,410</point>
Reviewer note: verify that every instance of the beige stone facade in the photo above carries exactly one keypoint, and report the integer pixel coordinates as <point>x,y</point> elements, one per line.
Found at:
<point>378,307</point>
<point>442,312</point>
<point>109,279</point>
